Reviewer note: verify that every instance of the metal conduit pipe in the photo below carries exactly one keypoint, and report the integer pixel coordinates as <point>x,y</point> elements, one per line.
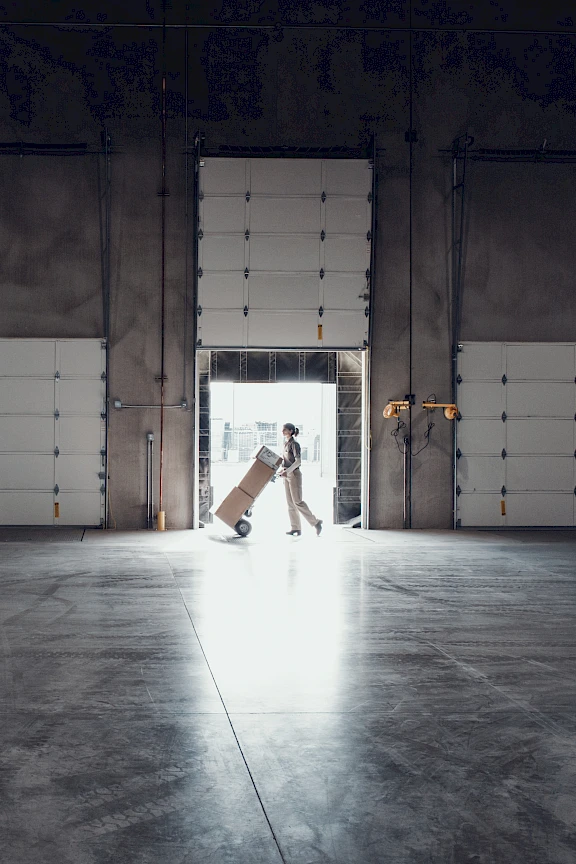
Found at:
<point>182,405</point>
<point>161,513</point>
<point>150,480</point>
<point>406,469</point>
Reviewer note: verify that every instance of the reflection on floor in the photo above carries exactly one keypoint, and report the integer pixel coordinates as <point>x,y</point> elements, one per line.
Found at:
<point>361,698</point>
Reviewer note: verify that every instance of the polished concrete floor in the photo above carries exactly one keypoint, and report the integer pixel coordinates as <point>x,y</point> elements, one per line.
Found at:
<point>359,698</point>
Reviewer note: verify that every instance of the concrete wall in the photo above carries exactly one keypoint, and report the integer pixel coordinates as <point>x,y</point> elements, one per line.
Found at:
<point>289,85</point>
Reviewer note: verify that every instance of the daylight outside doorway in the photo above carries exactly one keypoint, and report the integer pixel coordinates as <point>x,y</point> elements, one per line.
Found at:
<point>244,415</point>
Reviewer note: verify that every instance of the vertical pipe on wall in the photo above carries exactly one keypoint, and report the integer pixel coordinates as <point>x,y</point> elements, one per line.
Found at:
<point>106,271</point>
<point>150,480</point>
<point>367,366</point>
<point>459,155</point>
<point>163,194</point>
<point>406,469</point>
<point>408,450</point>
<point>186,220</point>
<point>196,376</point>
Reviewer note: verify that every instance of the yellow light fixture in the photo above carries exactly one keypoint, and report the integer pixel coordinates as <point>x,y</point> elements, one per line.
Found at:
<point>450,409</point>
<point>394,407</point>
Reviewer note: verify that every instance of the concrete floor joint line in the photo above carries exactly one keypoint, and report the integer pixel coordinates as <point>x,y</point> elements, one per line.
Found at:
<point>252,780</point>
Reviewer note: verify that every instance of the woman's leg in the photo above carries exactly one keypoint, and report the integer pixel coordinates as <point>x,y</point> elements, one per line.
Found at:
<point>295,484</point>
<point>295,523</point>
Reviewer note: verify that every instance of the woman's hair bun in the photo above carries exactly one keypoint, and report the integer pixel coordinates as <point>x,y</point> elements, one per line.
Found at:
<point>296,431</point>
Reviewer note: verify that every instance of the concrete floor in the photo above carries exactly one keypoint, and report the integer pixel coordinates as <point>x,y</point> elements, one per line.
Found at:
<point>361,698</point>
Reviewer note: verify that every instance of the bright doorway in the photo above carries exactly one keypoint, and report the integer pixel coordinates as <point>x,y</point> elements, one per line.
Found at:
<point>245,415</point>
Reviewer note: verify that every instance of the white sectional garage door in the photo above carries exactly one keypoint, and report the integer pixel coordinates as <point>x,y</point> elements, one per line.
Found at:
<point>52,431</point>
<point>284,253</point>
<point>516,441</point>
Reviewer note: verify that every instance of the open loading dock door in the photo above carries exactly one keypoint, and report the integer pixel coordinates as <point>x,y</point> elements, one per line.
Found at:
<point>346,369</point>
<point>284,250</point>
<point>516,441</point>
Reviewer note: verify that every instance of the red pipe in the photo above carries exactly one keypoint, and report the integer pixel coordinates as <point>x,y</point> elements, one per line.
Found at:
<point>163,194</point>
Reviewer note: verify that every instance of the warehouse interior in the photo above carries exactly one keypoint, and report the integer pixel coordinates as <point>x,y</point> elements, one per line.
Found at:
<point>373,199</point>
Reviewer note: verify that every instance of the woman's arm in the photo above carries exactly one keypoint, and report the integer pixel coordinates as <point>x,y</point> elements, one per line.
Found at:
<point>296,464</point>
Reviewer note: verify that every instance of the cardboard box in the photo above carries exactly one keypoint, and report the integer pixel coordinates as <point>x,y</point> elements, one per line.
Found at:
<point>256,478</point>
<point>267,456</point>
<point>233,506</point>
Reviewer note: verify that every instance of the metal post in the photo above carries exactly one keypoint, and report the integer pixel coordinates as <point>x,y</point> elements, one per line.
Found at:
<point>106,270</point>
<point>367,387</point>
<point>150,480</point>
<point>195,289</point>
<point>407,501</point>
<point>460,147</point>
<point>163,194</point>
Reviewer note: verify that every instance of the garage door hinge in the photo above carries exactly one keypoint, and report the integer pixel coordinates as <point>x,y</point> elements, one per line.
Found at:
<point>321,311</point>
<point>245,311</point>
<point>322,273</point>
<point>199,311</point>
<point>367,312</point>
<point>458,490</point>
<point>103,415</point>
<point>504,379</point>
<point>56,489</point>
<point>503,491</point>
<point>201,196</point>
<point>57,375</point>
<point>504,416</point>
<point>103,376</point>
<point>102,489</point>
<point>322,235</point>
<point>459,379</point>
<point>246,273</point>
<point>103,452</point>
<point>56,414</point>
<point>323,197</point>
<point>369,236</point>
<point>367,274</point>
<point>503,454</point>
<point>56,452</point>
<point>458,453</point>
<point>247,195</point>
<point>200,274</point>
<point>247,234</point>
<point>200,234</point>
<point>370,197</point>
<point>101,475</point>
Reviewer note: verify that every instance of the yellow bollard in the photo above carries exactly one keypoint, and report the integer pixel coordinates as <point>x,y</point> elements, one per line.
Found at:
<point>161,524</point>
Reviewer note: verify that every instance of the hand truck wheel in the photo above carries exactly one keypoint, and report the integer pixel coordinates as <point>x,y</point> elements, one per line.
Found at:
<point>243,527</point>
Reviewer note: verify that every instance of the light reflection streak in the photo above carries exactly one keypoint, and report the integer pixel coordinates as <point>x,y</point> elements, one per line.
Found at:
<point>271,620</point>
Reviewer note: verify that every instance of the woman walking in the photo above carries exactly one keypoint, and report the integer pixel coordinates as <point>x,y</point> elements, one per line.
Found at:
<point>293,483</point>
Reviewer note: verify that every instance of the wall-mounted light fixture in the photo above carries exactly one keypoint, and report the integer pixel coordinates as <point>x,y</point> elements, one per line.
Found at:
<point>450,409</point>
<point>394,407</point>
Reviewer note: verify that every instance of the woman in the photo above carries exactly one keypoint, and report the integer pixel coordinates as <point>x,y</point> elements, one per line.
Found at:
<point>293,483</point>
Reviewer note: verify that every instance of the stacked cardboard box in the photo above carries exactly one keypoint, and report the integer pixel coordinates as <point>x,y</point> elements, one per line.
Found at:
<point>254,481</point>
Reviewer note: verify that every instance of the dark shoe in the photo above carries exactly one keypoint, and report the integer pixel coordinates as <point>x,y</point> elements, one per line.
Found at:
<point>294,533</point>
<point>318,527</point>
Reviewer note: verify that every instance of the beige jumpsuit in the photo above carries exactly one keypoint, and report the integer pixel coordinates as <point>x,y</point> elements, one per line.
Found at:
<point>293,488</point>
